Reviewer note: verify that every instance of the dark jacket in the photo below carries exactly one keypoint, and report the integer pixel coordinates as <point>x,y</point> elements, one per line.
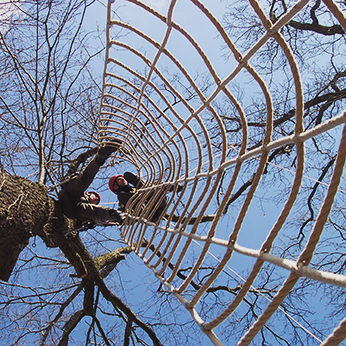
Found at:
<point>124,194</point>
<point>74,201</point>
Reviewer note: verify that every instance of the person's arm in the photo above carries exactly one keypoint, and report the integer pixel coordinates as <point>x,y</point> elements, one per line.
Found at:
<point>79,184</point>
<point>88,211</point>
<point>83,181</point>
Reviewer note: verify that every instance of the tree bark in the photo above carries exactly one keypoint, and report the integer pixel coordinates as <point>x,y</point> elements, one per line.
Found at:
<point>26,210</point>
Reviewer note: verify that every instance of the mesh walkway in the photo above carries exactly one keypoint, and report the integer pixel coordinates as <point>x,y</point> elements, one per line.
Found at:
<point>165,123</point>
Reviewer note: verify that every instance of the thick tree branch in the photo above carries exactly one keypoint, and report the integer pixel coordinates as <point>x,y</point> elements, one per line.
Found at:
<point>107,262</point>
<point>338,95</point>
<point>59,314</point>
<point>192,221</point>
<point>318,28</point>
<point>312,194</point>
<point>70,326</point>
<point>80,258</point>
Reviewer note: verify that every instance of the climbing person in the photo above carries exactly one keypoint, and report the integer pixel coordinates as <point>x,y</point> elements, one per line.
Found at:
<point>78,204</point>
<point>127,185</point>
<point>120,186</point>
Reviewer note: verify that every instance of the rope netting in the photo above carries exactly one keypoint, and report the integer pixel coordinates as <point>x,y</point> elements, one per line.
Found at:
<point>174,134</point>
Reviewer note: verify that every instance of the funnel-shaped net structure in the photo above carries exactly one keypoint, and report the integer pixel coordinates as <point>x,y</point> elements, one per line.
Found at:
<point>164,95</point>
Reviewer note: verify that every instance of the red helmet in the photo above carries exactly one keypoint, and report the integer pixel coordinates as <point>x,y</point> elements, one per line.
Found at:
<point>112,180</point>
<point>96,194</point>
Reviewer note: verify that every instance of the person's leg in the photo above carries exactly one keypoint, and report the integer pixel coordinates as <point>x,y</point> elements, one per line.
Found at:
<point>179,188</point>
<point>80,183</point>
<point>159,209</point>
<point>67,202</point>
<point>134,180</point>
<point>89,173</point>
<point>157,213</point>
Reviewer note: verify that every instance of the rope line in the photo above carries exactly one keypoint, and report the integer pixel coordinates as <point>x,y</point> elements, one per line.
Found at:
<point>209,325</point>
<point>167,122</point>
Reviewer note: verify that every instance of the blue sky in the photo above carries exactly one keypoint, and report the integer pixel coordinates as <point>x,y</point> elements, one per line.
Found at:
<point>261,215</point>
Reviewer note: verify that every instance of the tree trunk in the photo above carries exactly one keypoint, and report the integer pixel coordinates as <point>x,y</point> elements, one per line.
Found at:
<point>26,210</point>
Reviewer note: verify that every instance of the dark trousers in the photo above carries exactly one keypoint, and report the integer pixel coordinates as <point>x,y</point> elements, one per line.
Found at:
<point>134,180</point>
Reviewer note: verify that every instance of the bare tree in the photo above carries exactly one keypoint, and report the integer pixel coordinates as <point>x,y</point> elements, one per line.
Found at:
<point>48,117</point>
<point>320,49</point>
<point>318,43</point>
